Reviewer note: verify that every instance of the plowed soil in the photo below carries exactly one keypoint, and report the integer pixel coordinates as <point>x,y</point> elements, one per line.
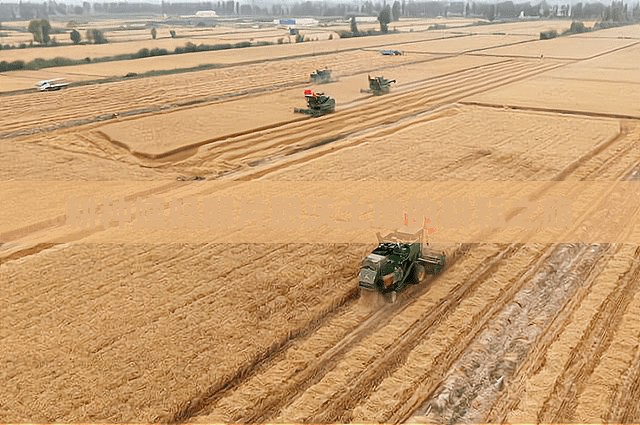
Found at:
<point>96,330</point>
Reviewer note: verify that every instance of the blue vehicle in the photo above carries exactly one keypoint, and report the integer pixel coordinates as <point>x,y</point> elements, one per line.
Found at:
<point>391,52</point>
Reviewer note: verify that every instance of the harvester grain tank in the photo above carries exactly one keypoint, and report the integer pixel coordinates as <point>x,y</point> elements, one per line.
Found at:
<point>318,104</point>
<point>402,257</point>
<point>378,85</point>
<point>321,76</point>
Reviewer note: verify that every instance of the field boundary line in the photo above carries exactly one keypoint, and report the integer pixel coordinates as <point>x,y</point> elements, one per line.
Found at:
<point>551,110</point>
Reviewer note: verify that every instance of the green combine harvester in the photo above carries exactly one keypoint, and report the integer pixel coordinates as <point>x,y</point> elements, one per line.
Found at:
<point>378,85</point>
<point>318,104</point>
<point>321,76</point>
<point>401,258</point>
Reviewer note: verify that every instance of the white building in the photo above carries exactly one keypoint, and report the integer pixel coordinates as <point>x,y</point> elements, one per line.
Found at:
<point>206,14</point>
<point>364,19</point>
<point>296,22</point>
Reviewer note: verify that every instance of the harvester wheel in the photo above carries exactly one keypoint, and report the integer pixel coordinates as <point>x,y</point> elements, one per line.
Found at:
<point>419,273</point>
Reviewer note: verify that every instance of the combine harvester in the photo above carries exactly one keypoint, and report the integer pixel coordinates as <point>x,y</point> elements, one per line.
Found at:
<point>402,257</point>
<point>321,76</point>
<point>318,104</point>
<point>378,85</point>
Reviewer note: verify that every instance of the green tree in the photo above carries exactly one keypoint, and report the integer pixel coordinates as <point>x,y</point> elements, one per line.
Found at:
<point>75,36</point>
<point>96,36</point>
<point>385,18</point>
<point>396,10</point>
<point>40,28</point>
<point>154,33</point>
<point>491,13</point>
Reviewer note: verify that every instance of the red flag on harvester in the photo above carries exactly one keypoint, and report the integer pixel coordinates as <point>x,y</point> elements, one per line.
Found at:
<point>308,92</point>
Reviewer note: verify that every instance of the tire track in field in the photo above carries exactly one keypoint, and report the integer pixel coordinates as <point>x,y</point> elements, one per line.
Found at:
<point>560,405</point>
<point>624,407</point>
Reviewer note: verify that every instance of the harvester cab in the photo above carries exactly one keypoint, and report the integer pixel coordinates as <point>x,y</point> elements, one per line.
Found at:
<point>317,104</point>
<point>378,85</point>
<point>402,257</point>
<point>321,76</point>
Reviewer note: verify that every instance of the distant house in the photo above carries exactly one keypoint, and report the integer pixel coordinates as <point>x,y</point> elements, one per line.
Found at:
<point>364,19</point>
<point>296,22</point>
<point>206,14</point>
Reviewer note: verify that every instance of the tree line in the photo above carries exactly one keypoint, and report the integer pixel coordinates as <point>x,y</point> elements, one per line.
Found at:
<point>617,11</point>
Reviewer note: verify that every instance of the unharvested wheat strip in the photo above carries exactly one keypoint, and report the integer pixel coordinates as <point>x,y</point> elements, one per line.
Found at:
<point>196,315</point>
<point>374,345</point>
<point>305,293</point>
<point>539,383</point>
<point>621,409</point>
<point>429,360</point>
<point>595,401</point>
<point>247,399</point>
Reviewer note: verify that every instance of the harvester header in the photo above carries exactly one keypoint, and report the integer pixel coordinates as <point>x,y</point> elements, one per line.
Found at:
<point>378,85</point>
<point>318,104</point>
<point>321,76</point>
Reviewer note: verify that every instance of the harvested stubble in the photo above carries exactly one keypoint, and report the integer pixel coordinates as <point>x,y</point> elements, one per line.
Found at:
<point>596,401</point>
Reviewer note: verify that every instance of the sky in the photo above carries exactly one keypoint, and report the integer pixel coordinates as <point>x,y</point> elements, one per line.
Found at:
<point>258,2</point>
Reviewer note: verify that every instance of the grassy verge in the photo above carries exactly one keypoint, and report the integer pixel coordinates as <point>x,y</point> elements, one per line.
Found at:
<point>40,63</point>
